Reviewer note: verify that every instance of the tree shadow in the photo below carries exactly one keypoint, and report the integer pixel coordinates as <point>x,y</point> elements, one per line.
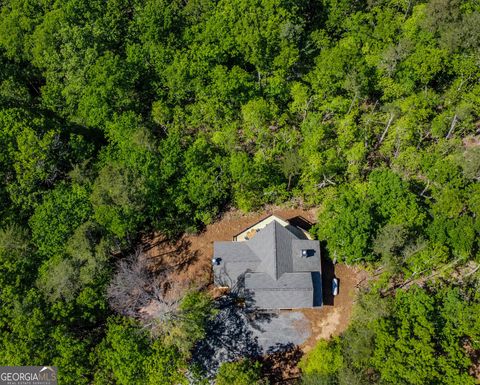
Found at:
<point>280,364</point>
<point>151,241</point>
<point>175,255</point>
<point>234,333</point>
<point>301,222</point>
<point>230,335</point>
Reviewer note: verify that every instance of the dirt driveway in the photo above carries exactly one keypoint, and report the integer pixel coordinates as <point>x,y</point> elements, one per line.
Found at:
<point>334,316</point>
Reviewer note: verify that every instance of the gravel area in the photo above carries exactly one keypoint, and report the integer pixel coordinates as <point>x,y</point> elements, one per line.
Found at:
<point>281,330</point>
<point>236,333</point>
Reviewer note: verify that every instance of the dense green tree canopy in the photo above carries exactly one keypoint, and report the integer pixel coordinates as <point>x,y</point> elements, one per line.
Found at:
<point>120,118</point>
<point>243,372</point>
<point>419,337</point>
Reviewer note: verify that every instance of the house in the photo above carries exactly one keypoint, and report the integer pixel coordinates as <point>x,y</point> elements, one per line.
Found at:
<point>276,264</point>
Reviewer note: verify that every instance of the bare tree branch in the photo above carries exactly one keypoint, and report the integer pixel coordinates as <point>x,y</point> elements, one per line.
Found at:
<point>425,189</point>
<point>452,127</point>
<point>137,292</point>
<point>326,181</point>
<point>390,120</point>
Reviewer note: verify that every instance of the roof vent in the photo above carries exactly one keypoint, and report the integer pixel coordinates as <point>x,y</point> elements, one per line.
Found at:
<point>216,261</point>
<point>304,253</point>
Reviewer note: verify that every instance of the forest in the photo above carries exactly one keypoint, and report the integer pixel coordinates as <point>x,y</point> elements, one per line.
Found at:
<point>123,117</point>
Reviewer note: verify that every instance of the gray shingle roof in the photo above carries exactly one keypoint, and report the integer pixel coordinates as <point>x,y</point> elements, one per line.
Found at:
<point>235,259</point>
<point>275,272</point>
<point>292,290</point>
<point>283,241</point>
<point>263,246</point>
<point>309,263</point>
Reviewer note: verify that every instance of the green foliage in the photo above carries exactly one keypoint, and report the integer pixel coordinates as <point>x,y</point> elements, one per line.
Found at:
<point>384,218</point>
<point>120,118</point>
<point>250,176</point>
<point>16,260</point>
<point>324,359</point>
<point>117,199</point>
<point>197,309</point>
<point>204,183</point>
<point>71,356</point>
<point>347,224</point>
<point>62,210</point>
<point>188,325</point>
<point>164,365</point>
<point>25,330</point>
<point>244,372</point>
<point>125,356</point>
<point>122,353</point>
<point>419,336</point>
<point>420,331</point>
<point>392,199</point>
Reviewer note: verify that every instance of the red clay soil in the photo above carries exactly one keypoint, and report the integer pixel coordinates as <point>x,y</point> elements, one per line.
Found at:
<point>334,316</point>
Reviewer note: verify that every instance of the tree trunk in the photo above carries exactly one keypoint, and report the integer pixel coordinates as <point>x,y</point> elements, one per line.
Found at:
<point>385,131</point>
<point>452,127</point>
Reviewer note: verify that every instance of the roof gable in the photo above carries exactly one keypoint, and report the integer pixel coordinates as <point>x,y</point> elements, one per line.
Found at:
<point>273,246</point>
<point>309,263</point>
<point>235,259</point>
<point>278,251</point>
<point>263,245</point>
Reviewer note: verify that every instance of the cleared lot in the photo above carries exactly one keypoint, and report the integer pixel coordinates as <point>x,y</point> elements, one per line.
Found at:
<point>236,332</point>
